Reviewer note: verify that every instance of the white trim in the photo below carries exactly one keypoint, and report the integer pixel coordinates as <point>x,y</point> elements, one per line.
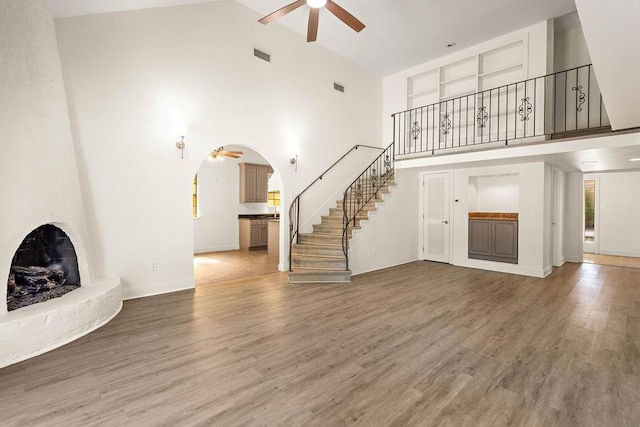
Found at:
<point>385,267</point>
<point>579,260</point>
<point>562,262</point>
<point>547,270</point>
<point>158,289</point>
<point>222,248</point>
<point>620,253</point>
<point>501,267</point>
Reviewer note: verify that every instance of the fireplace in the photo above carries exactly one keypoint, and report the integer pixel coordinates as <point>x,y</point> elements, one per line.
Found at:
<point>44,267</point>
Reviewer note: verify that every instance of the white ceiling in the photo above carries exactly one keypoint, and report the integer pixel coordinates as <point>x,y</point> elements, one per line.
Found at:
<point>399,33</point>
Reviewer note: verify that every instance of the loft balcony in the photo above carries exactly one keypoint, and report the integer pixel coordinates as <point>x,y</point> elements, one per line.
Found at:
<point>559,105</point>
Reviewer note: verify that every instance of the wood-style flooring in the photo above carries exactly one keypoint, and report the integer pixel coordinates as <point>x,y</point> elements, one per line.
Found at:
<point>214,267</point>
<point>617,261</point>
<point>419,344</point>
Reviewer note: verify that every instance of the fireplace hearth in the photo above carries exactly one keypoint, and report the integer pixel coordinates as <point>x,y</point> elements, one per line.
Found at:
<point>45,266</point>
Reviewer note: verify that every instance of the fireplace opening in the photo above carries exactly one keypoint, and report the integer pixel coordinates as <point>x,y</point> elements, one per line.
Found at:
<point>44,267</point>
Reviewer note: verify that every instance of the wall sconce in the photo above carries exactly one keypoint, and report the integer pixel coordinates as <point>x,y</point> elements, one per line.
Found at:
<point>180,145</point>
<point>294,161</point>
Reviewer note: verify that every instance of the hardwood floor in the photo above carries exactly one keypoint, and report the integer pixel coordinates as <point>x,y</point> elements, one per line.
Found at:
<point>617,261</point>
<point>214,267</point>
<point>420,344</point>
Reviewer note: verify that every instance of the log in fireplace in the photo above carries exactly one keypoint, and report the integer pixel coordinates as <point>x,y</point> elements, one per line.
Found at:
<point>45,266</point>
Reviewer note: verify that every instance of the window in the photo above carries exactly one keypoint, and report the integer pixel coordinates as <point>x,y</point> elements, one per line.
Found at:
<point>195,196</point>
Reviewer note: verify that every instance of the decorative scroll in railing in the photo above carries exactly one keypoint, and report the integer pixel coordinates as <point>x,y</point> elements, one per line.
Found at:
<point>362,190</point>
<point>294,209</point>
<point>561,102</point>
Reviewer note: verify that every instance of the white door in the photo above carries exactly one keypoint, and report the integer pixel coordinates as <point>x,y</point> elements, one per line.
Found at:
<point>435,229</point>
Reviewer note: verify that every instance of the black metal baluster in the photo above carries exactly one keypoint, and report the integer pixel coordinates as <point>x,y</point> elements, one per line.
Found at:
<point>577,77</point>
<point>588,96</point>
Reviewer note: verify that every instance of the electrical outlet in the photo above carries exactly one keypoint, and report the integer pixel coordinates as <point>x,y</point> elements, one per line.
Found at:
<point>154,266</point>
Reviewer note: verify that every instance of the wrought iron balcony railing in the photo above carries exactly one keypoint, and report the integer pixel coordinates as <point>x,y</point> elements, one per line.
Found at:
<point>556,103</point>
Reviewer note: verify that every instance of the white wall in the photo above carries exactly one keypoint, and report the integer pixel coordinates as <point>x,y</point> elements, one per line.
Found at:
<point>217,227</point>
<point>570,50</point>
<point>611,31</point>
<point>531,210</point>
<point>131,76</point>
<point>573,218</point>
<point>619,209</point>
<point>390,235</point>
<point>559,194</point>
<point>395,86</point>
<point>495,193</point>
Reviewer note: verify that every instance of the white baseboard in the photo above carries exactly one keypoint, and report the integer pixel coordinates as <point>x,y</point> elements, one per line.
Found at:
<point>573,259</point>
<point>157,289</point>
<point>208,249</point>
<point>501,267</point>
<point>620,253</point>
<point>547,270</point>
<point>382,268</point>
<point>561,262</point>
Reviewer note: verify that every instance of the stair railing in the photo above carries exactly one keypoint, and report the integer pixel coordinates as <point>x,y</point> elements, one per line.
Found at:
<point>362,190</point>
<point>294,209</point>
<point>562,102</point>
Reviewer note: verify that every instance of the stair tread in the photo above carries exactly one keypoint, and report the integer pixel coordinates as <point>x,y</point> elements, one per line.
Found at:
<point>311,270</point>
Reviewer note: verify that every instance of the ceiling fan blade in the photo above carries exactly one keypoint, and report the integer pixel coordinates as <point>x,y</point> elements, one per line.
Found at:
<point>312,30</point>
<point>231,156</point>
<point>234,152</point>
<point>345,16</point>
<point>283,11</point>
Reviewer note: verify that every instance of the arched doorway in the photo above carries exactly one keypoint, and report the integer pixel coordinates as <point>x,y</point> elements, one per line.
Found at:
<point>236,224</point>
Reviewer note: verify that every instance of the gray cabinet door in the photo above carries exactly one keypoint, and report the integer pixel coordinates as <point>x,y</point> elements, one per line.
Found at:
<point>479,237</point>
<point>505,239</point>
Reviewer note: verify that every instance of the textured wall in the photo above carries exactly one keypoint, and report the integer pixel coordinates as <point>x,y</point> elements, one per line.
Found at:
<point>38,174</point>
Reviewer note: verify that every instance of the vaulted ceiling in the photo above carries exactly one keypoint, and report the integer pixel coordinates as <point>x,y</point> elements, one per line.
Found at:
<point>398,33</point>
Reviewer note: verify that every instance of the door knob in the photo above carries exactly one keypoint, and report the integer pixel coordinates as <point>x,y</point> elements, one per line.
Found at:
<point>445,222</point>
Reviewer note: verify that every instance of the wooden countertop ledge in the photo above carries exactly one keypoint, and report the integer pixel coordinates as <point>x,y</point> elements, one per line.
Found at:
<point>494,216</point>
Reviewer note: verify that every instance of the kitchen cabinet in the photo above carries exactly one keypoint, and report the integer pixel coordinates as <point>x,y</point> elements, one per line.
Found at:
<point>253,233</point>
<point>254,179</point>
<point>273,238</point>
<point>494,238</point>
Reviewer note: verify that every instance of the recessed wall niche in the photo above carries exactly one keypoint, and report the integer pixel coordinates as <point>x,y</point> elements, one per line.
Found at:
<point>45,266</point>
<point>494,193</point>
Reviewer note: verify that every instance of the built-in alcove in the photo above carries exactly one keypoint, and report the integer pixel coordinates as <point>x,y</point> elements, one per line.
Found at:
<point>494,193</point>
<point>493,217</point>
<point>44,267</point>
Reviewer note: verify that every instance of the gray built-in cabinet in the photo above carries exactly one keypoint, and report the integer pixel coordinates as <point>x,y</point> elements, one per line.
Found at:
<point>494,239</point>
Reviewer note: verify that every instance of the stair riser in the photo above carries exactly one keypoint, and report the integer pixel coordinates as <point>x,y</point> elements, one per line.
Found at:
<point>321,239</point>
<point>310,278</point>
<point>318,263</point>
<point>317,250</point>
<point>337,221</point>
<point>339,212</point>
<point>330,229</point>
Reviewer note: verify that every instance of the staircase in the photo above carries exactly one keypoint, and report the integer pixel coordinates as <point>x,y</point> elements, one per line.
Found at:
<point>319,257</point>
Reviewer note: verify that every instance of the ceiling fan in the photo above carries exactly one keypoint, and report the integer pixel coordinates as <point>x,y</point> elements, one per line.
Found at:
<point>314,14</point>
<point>219,153</point>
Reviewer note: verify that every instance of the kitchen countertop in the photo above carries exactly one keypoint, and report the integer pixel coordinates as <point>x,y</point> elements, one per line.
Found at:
<point>258,216</point>
<point>494,216</point>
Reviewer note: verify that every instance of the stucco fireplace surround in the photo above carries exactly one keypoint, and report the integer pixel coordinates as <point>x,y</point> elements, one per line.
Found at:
<point>40,186</point>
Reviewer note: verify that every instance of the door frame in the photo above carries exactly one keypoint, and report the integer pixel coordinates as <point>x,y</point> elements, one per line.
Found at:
<point>421,212</point>
<point>596,215</point>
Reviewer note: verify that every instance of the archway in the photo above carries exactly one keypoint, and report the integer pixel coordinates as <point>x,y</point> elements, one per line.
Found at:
<point>235,218</point>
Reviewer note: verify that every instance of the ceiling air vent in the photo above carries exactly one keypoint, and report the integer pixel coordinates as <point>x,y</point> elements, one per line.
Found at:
<point>338,87</point>
<point>262,55</point>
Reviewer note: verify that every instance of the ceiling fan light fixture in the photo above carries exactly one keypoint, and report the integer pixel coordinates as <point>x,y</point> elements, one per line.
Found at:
<point>317,4</point>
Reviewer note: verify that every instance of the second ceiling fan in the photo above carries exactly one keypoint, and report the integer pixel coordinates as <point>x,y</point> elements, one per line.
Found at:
<point>314,15</point>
